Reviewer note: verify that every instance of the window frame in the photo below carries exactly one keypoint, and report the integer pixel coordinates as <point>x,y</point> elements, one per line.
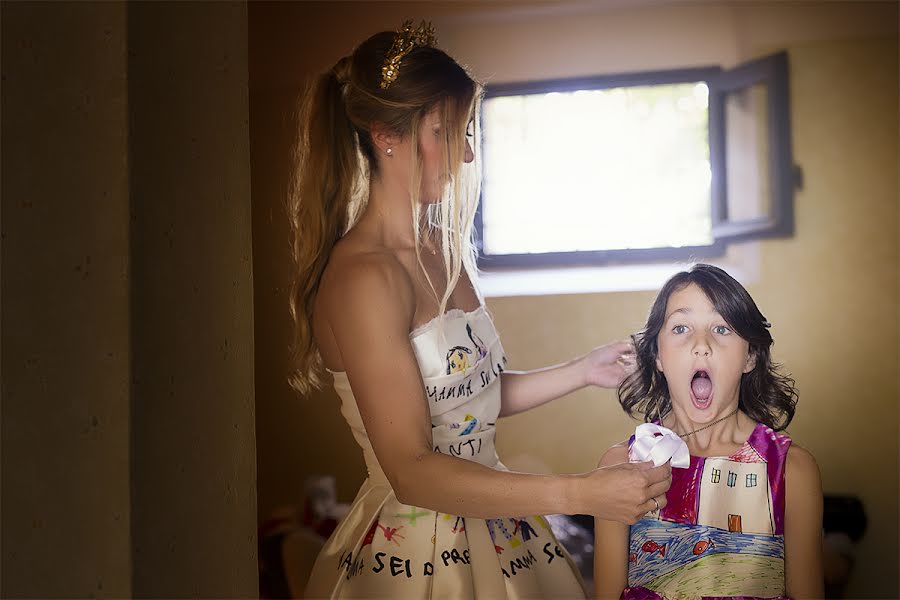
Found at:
<point>784,176</point>
<point>771,70</point>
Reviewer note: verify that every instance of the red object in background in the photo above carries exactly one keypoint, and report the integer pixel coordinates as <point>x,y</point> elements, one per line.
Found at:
<point>323,527</point>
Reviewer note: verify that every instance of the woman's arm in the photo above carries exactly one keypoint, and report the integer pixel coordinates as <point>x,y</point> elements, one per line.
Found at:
<point>803,526</point>
<point>605,366</point>
<point>369,309</point>
<point>611,543</point>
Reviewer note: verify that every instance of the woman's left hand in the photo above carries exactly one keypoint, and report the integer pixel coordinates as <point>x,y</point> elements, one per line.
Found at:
<point>607,366</point>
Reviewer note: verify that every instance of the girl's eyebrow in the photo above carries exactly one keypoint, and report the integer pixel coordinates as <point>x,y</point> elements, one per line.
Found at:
<point>683,310</point>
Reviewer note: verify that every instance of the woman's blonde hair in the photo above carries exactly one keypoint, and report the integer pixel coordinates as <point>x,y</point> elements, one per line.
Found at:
<point>335,157</point>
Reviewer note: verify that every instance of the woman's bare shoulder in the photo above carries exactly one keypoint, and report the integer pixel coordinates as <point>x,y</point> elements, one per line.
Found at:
<point>361,274</point>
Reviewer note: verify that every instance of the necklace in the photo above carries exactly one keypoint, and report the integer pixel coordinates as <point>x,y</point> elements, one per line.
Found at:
<point>708,425</point>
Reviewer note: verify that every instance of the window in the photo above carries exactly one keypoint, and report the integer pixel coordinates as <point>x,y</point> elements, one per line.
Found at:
<point>732,478</point>
<point>716,475</point>
<point>647,166</point>
<point>751,480</point>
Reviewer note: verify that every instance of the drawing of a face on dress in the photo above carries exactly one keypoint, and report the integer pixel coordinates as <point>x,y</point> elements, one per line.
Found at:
<point>458,356</point>
<point>457,359</point>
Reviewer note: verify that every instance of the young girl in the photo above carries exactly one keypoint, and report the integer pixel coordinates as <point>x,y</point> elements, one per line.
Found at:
<point>385,300</point>
<point>743,517</point>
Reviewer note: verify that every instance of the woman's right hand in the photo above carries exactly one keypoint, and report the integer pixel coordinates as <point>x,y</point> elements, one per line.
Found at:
<point>625,492</point>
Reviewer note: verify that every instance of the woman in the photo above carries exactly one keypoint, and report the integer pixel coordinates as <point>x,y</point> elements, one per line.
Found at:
<point>386,301</point>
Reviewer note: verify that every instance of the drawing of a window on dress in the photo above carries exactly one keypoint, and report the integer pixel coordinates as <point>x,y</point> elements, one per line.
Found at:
<point>735,496</point>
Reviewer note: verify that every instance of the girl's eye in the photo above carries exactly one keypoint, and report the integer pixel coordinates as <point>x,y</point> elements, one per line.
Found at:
<point>470,129</point>
<point>679,329</point>
<point>721,330</point>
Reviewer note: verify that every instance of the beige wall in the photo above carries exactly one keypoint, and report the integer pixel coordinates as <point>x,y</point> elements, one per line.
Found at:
<point>831,290</point>
<point>193,425</point>
<point>128,448</point>
<point>66,341</point>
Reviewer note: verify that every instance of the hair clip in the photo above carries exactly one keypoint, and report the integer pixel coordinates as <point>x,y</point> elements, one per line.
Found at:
<point>406,39</point>
<point>766,324</point>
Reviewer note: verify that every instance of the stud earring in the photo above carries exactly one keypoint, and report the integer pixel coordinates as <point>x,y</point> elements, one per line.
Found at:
<point>389,151</point>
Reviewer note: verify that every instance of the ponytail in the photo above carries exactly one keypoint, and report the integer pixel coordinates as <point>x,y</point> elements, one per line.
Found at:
<point>320,200</point>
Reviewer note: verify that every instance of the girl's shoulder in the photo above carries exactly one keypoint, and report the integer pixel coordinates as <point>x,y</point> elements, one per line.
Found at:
<point>615,455</point>
<point>803,484</point>
<point>801,462</point>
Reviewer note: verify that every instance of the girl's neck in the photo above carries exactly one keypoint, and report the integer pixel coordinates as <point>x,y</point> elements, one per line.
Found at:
<point>712,438</point>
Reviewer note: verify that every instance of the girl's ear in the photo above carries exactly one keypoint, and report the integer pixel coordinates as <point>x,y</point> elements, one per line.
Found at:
<point>751,362</point>
<point>383,138</point>
<point>659,365</point>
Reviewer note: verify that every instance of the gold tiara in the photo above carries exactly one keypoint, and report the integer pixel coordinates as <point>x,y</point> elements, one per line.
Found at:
<point>406,39</point>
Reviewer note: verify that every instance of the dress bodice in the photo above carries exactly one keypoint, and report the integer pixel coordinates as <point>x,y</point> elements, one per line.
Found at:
<point>460,358</point>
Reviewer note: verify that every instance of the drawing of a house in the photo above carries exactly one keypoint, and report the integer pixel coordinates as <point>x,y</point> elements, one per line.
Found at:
<point>735,496</point>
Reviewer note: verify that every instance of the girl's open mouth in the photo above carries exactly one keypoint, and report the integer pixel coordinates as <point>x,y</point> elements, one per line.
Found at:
<point>701,389</point>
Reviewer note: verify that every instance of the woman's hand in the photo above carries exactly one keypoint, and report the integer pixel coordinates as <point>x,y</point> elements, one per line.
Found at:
<point>625,492</point>
<point>607,366</point>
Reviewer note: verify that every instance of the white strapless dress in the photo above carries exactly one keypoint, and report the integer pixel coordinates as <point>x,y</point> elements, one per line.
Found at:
<point>385,549</point>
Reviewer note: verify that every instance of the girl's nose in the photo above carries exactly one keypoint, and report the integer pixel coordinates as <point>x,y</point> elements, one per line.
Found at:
<point>470,154</point>
<point>701,347</point>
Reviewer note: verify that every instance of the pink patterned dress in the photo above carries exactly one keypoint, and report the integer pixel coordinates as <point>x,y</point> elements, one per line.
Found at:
<point>721,534</point>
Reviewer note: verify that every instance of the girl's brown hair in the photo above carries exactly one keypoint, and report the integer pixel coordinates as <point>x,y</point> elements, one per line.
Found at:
<point>766,395</point>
